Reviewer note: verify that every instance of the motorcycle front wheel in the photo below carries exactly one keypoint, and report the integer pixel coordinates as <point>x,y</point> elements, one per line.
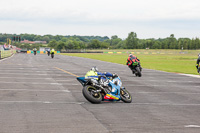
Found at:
<point>138,73</point>
<point>125,96</point>
<point>89,92</point>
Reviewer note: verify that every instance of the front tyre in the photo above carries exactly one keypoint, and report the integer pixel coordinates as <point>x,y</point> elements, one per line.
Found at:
<point>125,96</point>
<point>89,92</point>
<point>138,73</point>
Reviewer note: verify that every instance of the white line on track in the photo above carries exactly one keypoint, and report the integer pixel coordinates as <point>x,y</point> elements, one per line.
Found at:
<point>41,102</point>
<point>192,126</point>
<point>134,85</point>
<point>67,91</point>
<point>38,83</point>
<point>145,104</point>
<point>24,78</point>
<point>190,75</point>
<point>56,79</point>
<point>26,69</point>
<point>49,102</point>
<point>196,93</point>
<point>30,83</point>
<point>63,80</point>
<point>170,81</point>
<point>23,74</point>
<point>166,104</point>
<point>150,85</point>
<point>30,74</point>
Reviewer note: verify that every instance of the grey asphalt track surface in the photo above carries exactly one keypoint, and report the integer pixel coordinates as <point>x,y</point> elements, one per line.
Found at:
<point>41,95</point>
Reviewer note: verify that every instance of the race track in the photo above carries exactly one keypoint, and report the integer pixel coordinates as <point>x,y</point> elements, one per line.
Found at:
<point>41,95</point>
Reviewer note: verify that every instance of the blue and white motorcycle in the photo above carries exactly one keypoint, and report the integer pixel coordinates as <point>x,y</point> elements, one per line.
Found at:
<point>104,89</point>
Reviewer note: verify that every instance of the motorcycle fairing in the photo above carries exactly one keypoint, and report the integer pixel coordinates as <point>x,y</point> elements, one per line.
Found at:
<point>110,96</point>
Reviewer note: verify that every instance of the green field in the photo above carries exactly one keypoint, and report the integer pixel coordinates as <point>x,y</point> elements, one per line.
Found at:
<point>165,60</point>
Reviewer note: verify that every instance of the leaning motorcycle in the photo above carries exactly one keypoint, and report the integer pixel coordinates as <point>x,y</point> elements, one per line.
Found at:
<point>104,89</point>
<point>136,69</point>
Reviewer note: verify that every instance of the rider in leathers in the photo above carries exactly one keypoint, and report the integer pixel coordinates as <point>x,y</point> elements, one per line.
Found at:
<point>93,73</point>
<point>131,59</point>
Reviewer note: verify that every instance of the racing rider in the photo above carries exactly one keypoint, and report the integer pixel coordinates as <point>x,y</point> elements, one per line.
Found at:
<point>131,59</point>
<point>35,51</point>
<point>94,73</point>
<point>52,51</point>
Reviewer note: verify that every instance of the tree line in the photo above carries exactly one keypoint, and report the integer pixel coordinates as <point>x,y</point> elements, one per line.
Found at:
<point>60,42</point>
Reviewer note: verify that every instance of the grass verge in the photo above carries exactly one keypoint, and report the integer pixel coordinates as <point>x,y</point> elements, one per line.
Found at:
<point>173,62</point>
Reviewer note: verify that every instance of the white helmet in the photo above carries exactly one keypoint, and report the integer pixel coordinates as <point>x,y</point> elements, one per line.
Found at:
<point>94,68</point>
<point>130,55</point>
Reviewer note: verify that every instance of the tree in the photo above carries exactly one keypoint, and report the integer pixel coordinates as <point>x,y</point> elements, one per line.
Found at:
<point>69,45</point>
<point>114,41</point>
<point>132,41</point>
<point>94,44</point>
<point>45,38</point>
<point>52,43</point>
<point>172,42</point>
<point>60,45</point>
<point>104,45</point>
<point>64,39</point>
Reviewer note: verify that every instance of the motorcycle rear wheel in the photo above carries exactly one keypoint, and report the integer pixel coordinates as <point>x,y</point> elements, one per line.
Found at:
<point>90,95</point>
<point>125,96</point>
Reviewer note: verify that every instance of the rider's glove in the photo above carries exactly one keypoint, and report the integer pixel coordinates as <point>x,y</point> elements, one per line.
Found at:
<point>114,75</point>
<point>197,66</point>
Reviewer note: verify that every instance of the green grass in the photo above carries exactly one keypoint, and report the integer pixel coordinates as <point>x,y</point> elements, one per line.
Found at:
<point>173,62</point>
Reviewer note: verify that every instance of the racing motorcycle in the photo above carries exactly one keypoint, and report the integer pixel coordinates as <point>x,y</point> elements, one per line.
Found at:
<point>136,69</point>
<point>48,52</point>
<point>104,89</point>
<point>52,55</point>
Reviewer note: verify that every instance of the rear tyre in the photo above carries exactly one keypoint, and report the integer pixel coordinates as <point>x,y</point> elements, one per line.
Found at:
<point>90,94</point>
<point>125,96</point>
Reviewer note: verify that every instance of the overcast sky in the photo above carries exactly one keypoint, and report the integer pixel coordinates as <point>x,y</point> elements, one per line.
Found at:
<point>147,18</point>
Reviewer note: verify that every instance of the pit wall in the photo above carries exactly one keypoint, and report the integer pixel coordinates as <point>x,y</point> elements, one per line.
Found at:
<point>41,52</point>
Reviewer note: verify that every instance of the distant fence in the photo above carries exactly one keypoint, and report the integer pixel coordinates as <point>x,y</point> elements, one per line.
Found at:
<point>82,52</point>
<point>41,52</point>
<point>6,53</point>
<point>149,52</point>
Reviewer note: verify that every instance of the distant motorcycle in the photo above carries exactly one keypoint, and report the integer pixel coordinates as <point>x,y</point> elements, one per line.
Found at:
<point>52,55</point>
<point>136,69</point>
<point>99,90</point>
<point>48,52</point>
<point>35,52</point>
